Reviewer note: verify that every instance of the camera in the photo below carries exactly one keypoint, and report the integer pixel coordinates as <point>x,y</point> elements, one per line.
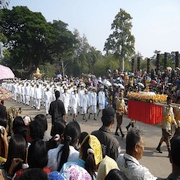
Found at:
<point>1,130</point>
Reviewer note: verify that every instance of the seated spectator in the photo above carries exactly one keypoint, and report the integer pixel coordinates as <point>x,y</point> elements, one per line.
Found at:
<point>89,158</point>
<point>16,156</point>
<point>37,157</point>
<point>82,136</point>
<point>12,112</point>
<point>128,163</point>
<point>19,126</point>
<point>72,172</point>
<point>43,121</point>
<point>105,166</point>
<point>57,134</point>
<point>115,174</point>
<point>3,113</point>
<point>36,131</point>
<point>109,143</point>
<point>3,144</point>
<point>66,150</point>
<point>3,141</point>
<point>3,123</point>
<point>174,158</point>
<point>33,174</point>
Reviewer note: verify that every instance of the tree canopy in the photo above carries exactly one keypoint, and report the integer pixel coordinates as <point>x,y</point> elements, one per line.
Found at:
<point>121,41</point>
<point>32,40</point>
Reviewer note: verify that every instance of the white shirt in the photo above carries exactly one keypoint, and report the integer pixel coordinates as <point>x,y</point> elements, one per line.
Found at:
<point>101,97</point>
<point>94,99</point>
<point>52,157</point>
<point>37,93</point>
<point>65,99</point>
<point>74,100</point>
<point>132,169</point>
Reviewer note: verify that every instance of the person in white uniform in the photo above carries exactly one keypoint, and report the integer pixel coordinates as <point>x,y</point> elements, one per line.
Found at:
<point>27,94</point>
<point>84,104</point>
<point>65,100</point>
<point>93,109</point>
<point>74,103</point>
<point>101,100</point>
<point>47,99</point>
<point>37,94</point>
<point>80,95</point>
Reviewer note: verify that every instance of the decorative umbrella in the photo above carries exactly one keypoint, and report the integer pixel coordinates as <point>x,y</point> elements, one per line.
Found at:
<point>5,94</point>
<point>140,85</point>
<point>6,73</point>
<point>121,86</point>
<point>106,83</point>
<point>169,68</point>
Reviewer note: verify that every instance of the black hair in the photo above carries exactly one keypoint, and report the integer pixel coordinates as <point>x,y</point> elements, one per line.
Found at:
<point>107,121</point>
<point>58,127</point>
<point>57,94</point>
<point>33,174</point>
<point>82,136</point>
<point>90,164</point>
<point>37,154</point>
<point>169,97</point>
<point>133,136</point>
<point>3,123</point>
<point>36,130</point>
<point>17,149</point>
<point>43,120</point>
<point>19,127</point>
<point>115,174</point>
<point>107,116</point>
<point>175,149</point>
<point>71,136</point>
<point>2,102</point>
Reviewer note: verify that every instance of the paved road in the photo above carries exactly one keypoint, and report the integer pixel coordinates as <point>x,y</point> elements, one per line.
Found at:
<point>157,163</point>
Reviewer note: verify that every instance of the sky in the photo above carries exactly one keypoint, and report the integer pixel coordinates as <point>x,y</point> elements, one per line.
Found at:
<point>156,23</point>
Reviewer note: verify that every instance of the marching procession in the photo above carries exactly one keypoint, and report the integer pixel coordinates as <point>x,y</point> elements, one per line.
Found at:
<point>39,94</point>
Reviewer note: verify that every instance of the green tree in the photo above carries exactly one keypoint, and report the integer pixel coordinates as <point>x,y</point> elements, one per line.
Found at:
<point>63,44</point>
<point>121,41</point>
<point>31,40</point>
<point>85,56</point>
<point>106,62</point>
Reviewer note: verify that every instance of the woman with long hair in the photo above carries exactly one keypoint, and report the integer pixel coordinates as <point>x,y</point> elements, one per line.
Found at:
<point>66,150</point>
<point>16,156</point>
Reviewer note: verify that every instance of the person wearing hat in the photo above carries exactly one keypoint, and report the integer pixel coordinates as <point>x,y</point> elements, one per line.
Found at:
<point>32,100</point>
<point>84,104</point>
<point>74,103</point>
<point>101,99</point>
<point>120,110</point>
<point>80,96</point>
<point>110,145</point>
<point>167,121</point>
<point>65,100</point>
<point>27,94</point>
<point>47,99</point>
<point>38,96</point>
<point>93,105</point>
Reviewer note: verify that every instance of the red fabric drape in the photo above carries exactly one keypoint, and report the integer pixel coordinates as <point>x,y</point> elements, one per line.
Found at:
<point>145,112</point>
